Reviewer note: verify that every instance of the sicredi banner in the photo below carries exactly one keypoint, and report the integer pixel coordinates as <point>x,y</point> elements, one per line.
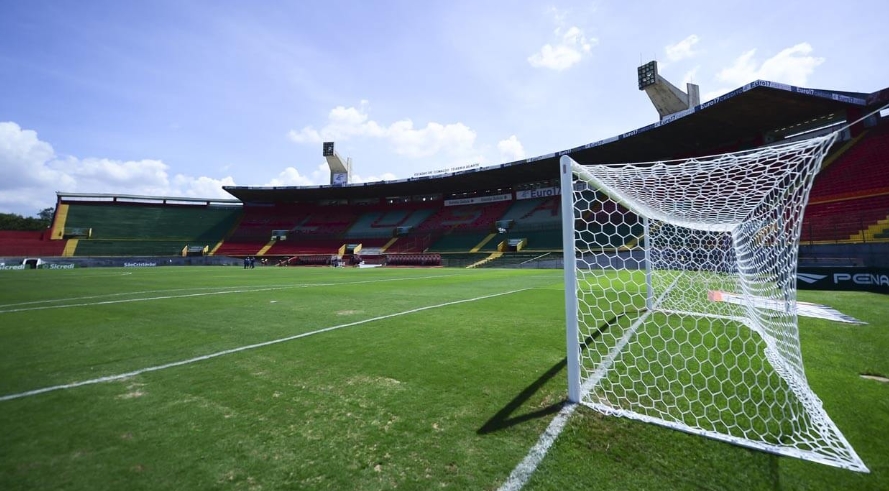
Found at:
<point>858,279</point>
<point>14,267</point>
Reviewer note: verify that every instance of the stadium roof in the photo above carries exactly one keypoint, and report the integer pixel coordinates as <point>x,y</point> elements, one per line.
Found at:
<point>134,198</point>
<point>743,114</point>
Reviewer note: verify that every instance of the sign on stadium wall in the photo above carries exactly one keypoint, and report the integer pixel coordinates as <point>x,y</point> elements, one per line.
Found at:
<point>538,193</point>
<point>859,279</point>
<point>481,199</point>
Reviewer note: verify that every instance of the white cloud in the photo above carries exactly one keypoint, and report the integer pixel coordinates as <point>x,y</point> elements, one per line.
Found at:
<point>571,47</point>
<point>201,187</point>
<point>791,66</point>
<point>291,177</point>
<point>511,149</point>
<point>455,138</point>
<point>689,76</point>
<point>683,49</point>
<point>33,172</point>
<point>346,123</point>
<point>321,177</point>
<point>342,123</point>
<point>386,176</point>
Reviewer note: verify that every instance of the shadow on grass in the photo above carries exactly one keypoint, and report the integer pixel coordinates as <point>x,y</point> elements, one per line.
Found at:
<point>503,419</point>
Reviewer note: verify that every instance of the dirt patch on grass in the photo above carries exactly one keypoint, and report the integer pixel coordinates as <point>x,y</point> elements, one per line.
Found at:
<point>348,312</point>
<point>383,382</point>
<point>877,377</point>
<point>134,388</point>
<point>132,394</point>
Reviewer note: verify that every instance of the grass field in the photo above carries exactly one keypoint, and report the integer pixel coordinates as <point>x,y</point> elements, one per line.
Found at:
<point>384,378</point>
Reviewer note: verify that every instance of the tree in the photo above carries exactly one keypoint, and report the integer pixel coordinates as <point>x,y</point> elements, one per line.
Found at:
<point>45,216</point>
<point>12,221</point>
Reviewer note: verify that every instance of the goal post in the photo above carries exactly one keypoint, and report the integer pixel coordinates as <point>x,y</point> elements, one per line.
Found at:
<point>680,297</point>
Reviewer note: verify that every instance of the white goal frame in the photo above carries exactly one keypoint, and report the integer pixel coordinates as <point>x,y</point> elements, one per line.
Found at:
<point>810,433</point>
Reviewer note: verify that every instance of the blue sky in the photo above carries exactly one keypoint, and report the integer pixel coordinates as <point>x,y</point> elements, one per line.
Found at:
<point>179,98</point>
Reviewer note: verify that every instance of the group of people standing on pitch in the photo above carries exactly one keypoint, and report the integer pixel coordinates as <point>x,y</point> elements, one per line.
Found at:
<point>249,262</point>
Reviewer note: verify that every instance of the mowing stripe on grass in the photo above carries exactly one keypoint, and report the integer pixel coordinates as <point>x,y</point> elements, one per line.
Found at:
<point>168,297</point>
<point>110,378</point>
<point>522,472</point>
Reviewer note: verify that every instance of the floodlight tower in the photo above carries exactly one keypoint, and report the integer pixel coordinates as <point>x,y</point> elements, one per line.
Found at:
<point>340,171</point>
<point>666,97</point>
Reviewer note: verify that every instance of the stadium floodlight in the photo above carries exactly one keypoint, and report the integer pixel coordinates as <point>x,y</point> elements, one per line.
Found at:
<point>647,74</point>
<point>660,248</point>
<point>340,170</point>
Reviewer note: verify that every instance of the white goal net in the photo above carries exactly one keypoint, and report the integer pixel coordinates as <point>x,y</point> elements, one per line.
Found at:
<point>681,303</point>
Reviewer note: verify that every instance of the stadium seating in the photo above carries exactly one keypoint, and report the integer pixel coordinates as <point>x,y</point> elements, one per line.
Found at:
<point>103,247</point>
<point>852,195</point>
<point>381,223</point>
<point>522,208</point>
<point>154,222</point>
<point>859,171</point>
<point>844,219</point>
<point>413,243</point>
<point>255,228</point>
<point>541,240</point>
<point>544,215</point>
<point>326,220</point>
<point>458,242</point>
<point>135,229</point>
<point>305,244</point>
<point>27,244</point>
<point>465,218</point>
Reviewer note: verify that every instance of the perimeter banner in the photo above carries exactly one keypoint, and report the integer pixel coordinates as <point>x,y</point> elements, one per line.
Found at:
<point>859,279</point>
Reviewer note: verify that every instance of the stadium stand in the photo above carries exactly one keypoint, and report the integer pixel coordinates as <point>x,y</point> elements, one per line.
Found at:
<point>254,230</point>
<point>859,171</point>
<point>147,227</point>
<point>151,222</point>
<point>407,219</point>
<point>544,215</point>
<point>462,228</point>
<point>412,243</point>
<point>846,220</point>
<point>382,223</point>
<point>851,197</point>
<point>15,243</point>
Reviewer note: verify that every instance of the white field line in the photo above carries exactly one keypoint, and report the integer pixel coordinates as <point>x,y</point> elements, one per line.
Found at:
<point>142,299</point>
<point>222,291</point>
<point>110,378</point>
<point>522,472</point>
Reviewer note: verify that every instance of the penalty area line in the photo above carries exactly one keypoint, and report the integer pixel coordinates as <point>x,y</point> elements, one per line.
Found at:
<point>522,472</point>
<point>111,378</point>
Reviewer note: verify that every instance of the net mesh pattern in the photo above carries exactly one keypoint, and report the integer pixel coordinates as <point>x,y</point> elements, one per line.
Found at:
<point>659,248</point>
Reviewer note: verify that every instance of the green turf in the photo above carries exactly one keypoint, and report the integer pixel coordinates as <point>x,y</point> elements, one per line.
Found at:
<point>448,397</point>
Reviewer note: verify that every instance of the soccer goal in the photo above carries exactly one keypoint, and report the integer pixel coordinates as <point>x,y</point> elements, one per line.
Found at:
<point>681,300</point>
